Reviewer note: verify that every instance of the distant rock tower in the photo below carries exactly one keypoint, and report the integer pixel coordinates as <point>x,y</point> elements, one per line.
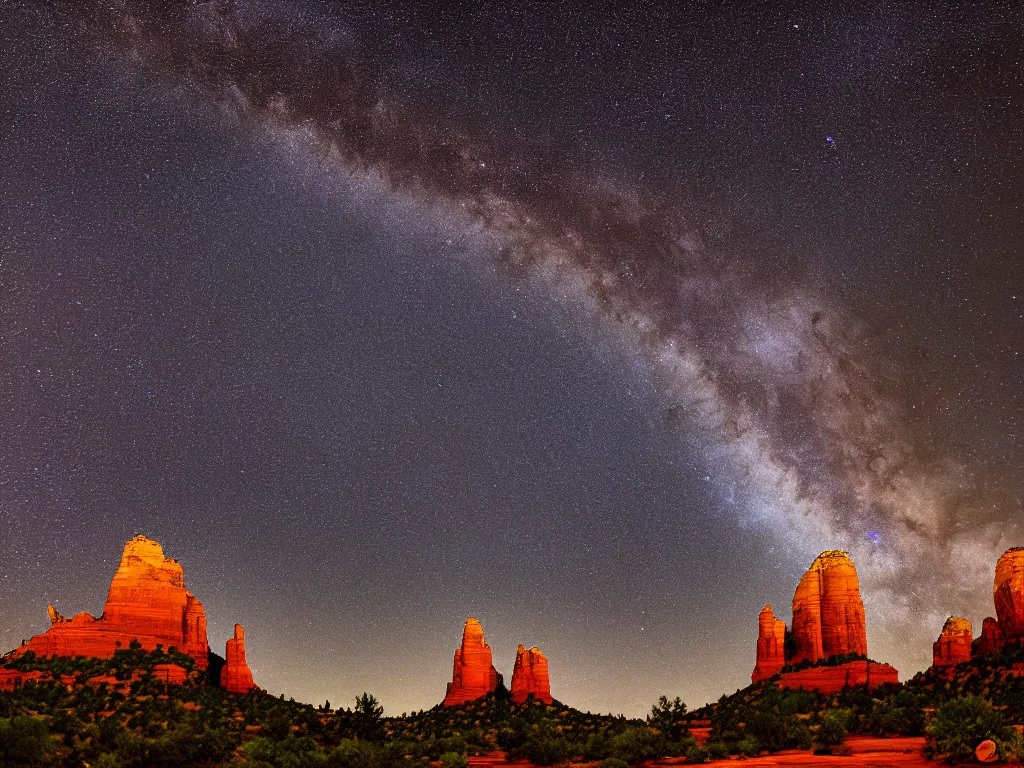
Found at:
<point>530,677</point>
<point>473,673</point>
<point>954,644</point>
<point>236,677</point>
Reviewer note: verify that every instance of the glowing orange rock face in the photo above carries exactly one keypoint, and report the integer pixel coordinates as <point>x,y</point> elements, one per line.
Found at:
<point>832,679</point>
<point>236,676</point>
<point>954,644</point>
<point>147,602</point>
<point>473,674</point>
<point>530,677</point>
<point>771,645</point>
<point>828,614</point>
<point>1008,591</point>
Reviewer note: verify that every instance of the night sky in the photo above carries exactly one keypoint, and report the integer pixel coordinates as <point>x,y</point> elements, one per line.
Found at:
<point>596,323</point>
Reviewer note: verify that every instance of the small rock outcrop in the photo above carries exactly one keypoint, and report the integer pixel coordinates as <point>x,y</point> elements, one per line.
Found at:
<point>990,640</point>
<point>530,676</point>
<point>473,673</point>
<point>828,621</point>
<point>236,677</point>
<point>954,644</point>
<point>771,645</point>
<point>147,602</point>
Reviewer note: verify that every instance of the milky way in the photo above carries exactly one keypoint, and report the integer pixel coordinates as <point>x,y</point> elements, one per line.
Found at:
<point>800,409</point>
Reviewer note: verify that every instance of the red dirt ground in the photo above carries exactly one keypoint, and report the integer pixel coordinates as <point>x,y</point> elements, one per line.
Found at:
<point>865,752</point>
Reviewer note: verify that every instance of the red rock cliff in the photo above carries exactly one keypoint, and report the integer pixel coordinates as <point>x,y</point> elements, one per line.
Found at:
<point>473,674</point>
<point>530,676</point>
<point>771,645</point>
<point>1008,591</point>
<point>236,676</point>
<point>828,614</point>
<point>147,602</point>
<point>954,644</point>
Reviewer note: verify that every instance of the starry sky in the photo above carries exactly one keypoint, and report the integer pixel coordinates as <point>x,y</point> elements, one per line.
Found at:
<point>597,323</point>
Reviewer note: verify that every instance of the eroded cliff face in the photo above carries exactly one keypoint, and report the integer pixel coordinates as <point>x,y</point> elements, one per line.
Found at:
<point>473,674</point>
<point>147,602</point>
<point>954,644</point>
<point>1008,593</point>
<point>530,676</point>
<point>828,613</point>
<point>236,677</point>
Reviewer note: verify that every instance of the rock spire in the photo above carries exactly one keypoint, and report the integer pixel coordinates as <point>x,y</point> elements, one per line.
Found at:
<point>530,676</point>
<point>473,674</point>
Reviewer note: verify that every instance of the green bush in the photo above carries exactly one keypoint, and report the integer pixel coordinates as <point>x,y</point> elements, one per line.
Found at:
<point>696,755</point>
<point>614,762</point>
<point>961,724</point>
<point>717,750</point>
<point>454,760</point>
<point>748,747</point>
<point>24,741</point>
<point>832,730</point>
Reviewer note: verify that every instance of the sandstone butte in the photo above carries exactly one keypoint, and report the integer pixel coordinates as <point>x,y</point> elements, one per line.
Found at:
<point>1006,627</point>
<point>236,676</point>
<point>828,620</point>
<point>954,643</point>
<point>530,676</point>
<point>473,674</point>
<point>147,602</point>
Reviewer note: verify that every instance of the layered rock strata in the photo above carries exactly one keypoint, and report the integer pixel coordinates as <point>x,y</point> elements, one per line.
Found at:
<point>236,677</point>
<point>147,602</point>
<point>954,644</point>
<point>826,679</point>
<point>530,676</point>
<point>828,614</point>
<point>473,673</point>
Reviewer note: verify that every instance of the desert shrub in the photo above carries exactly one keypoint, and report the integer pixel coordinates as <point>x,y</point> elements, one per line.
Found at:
<point>543,748</point>
<point>24,741</point>
<point>717,750</point>
<point>776,732</point>
<point>748,747</point>
<point>961,724</point>
<point>454,760</point>
<point>831,731</point>
<point>696,755</point>
<point>614,762</point>
<point>635,745</point>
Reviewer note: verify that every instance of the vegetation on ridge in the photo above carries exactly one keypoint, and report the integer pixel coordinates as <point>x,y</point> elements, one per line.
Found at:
<point>50,723</point>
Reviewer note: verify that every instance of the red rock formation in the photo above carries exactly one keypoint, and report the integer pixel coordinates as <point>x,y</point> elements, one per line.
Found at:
<point>530,676</point>
<point>171,674</point>
<point>954,644</point>
<point>1008,591</point>
<point>236,676</point>
<point>990,640</point>
<point>771,645</point>
<point>832,679</point>
<point>147,602</point>
<point>10,679</point>
<point>473,674</point>
<point>828,614</point>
